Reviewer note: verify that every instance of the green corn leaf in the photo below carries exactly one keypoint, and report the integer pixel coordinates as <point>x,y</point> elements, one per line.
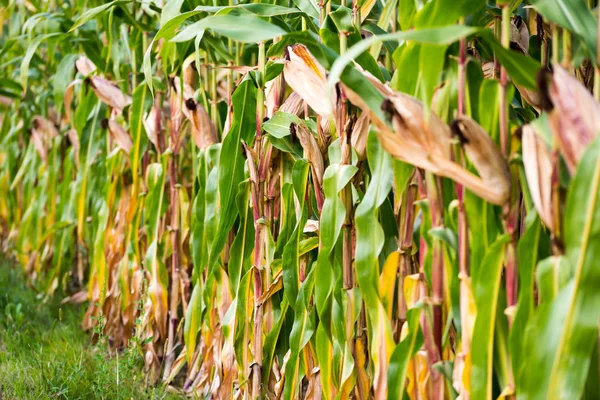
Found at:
<point>487,291</point>
<point>242,245</point>
<point>260,9</point>
<point>569,325</point>
<point>231,162</point>
<point>521,68</point>
<point>527,256</point>
<point>298,335</point>
<point>94,12</point>
<point>402,355</point>
<point>575,16</point>
<point>24,70</point>
<point>244,28</point>
<point>291,251</point>
<point>192,322</point>
<point>138,132</point>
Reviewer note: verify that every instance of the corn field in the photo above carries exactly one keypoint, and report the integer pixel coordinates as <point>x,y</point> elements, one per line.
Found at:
<point>388,199</point>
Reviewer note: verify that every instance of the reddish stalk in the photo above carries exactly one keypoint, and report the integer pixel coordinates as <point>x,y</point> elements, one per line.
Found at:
<point>432,330</point>
<point>257,176</point>
<point>463,249</point>
<point>405,244</point>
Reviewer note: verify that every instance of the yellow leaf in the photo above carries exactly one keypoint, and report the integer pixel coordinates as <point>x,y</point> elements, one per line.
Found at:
<point>387,282</point>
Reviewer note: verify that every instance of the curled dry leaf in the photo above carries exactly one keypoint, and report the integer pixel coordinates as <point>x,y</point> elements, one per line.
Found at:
<point>273,288</point>
<point>575,116</point>
<point>109,93</point>
<point>537,161</point>
<point>85,66</point>
<point>312,152</point>
<point>308,78</point>
<point>120,135</point>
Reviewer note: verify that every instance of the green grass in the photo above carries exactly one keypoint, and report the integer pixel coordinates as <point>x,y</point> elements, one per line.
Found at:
<point>44,354</point>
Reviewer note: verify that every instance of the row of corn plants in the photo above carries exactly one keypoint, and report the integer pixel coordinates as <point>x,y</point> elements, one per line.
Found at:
<point>300,199</point>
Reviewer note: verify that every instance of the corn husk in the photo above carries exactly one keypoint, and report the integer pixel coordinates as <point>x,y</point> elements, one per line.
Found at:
<point>46,127</point>
<point>109,93</point>
<point>488,70</point>
<point>537,160</point>
<point>312,152</point>
<point>575,117</point>
<point>308,78</point>
<point>42,133</point>
<point>203,131</point>
<point>425,142</point>
<point>120,136</point>
<point>293,104</point>
<point>532,97</point>
<point>273,90</point>
<point>150,126</point>
<point>85,66</point>
<point>360,133</point>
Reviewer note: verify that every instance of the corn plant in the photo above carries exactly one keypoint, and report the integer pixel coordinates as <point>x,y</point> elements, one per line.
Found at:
<point>300,199</point>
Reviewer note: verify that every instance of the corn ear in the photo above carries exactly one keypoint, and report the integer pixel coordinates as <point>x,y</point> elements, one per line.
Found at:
<point>308,78</point>
<point>575,116</point>
<point>537,161</point>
